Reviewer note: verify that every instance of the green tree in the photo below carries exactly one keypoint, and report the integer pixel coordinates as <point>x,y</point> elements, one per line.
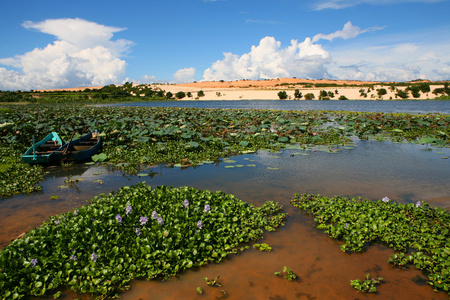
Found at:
<point>282,95</point>
<point>415,89</point>
<point>342,97</point>
<point>309,96</point>
<point>381,92</point>
<point>402,94</point>
<point>189,94</point>
<point>180,95</point>
<point>169,95</point>
<point>200,94</point>
<point>298,94</point>
<point>323,95</point>
<point>160,94</point>
<point>424,87</point>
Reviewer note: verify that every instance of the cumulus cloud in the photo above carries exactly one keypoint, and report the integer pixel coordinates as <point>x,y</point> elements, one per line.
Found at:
<point>396,62</point>
<point>268,60</point>
<point>83,54</point>
<point>184,75</point>
<point>340,4</point>
<point>348,32</point>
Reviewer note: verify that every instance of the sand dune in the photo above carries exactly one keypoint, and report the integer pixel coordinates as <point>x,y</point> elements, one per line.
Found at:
<point>268,89</point>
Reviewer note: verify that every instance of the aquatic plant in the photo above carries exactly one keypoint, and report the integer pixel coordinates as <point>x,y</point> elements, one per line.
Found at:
<point>287,273</point>
<point>213,282</point>
<point>366,286</point>
<point>135,137</point>
<point>99,248</point>
<point>262,247</point>
<point>15,176</point>
<point>420,234</point>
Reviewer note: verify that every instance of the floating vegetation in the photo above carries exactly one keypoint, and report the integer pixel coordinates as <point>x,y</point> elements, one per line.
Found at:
<point>287,274</point>
<point>136,137</point>
<point>262,247</point>
<point>419,233</point>
<point>213,282</point>
<point>366,286</point>
<point>15,176</point>
<point>135,232</point>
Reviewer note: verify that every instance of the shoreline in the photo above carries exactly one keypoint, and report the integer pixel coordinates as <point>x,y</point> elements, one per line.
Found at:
<point>269,89</point>
<point>351,93</point>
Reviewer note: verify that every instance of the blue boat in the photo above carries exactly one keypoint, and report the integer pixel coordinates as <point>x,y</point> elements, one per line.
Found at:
<point>79,149</point>
<point>42,152</point>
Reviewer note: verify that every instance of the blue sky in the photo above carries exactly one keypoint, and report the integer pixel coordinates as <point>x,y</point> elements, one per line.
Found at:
<point>60,44</point>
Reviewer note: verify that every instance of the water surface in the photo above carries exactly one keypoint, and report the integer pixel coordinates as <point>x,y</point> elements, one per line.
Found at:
<point>405,173</point>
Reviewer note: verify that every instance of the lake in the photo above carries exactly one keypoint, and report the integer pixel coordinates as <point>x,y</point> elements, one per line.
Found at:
<point>406,106</point>
<point>405,173</point>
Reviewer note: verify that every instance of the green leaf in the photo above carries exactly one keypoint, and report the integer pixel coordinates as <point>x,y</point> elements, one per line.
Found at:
<point>99,157</point>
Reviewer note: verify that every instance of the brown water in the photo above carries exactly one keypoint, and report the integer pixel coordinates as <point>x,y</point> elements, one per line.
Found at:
<point>373,170</point>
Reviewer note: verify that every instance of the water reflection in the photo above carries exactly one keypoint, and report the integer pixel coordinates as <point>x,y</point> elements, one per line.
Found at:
<point>403,172</point>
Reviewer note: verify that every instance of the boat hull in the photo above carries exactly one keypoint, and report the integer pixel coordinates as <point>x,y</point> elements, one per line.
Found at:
<point>80,149</point>
<point>42,151</point>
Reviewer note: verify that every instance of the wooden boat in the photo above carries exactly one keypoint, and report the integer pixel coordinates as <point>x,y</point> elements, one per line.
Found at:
<point>79,149</point>
<point>42,151</point>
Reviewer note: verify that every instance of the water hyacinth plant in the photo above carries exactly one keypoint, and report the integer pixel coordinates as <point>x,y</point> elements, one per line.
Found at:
<point>91,252</point>
<point>366,286</point>
<point>420,234</point>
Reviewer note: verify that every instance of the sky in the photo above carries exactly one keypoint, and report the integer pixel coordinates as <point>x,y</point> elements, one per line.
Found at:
<point>60,44</point>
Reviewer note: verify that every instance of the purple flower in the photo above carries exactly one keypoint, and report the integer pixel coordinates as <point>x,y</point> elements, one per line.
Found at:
<point>119,219</point>
<point>143,220</point>
<point>200,224</point>
<point>160,221</point>
<point>73,257</point>
<point>34,262</point>
<point>385,199</point>
<point>138,231</point>
<point>186,203</point>
<point>207,208</point>
<point>154,215</point>
<point>56,221</point>
<point>128,209</point>
<point>94,256</point>
<point>419,203</point>
<point>75,212</point>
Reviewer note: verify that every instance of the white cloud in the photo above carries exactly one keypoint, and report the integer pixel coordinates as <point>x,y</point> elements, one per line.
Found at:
<point>82,55</point>
<point>340,4</point>
<point>348,32</point>
<point>396,62</point>
<point>184,75</point>
<point>391,60</point>
<point>268,60</point>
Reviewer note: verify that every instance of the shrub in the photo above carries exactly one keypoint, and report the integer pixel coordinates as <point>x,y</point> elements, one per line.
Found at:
<point>282,95</point>
<point>309,96</point>
<point>180,95</point>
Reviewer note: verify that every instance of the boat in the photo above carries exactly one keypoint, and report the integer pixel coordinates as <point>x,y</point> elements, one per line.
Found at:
<point>42,151</point>
<point>79,149</point>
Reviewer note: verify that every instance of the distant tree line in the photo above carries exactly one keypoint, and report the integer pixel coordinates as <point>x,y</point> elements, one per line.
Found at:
<point>109,93</point>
